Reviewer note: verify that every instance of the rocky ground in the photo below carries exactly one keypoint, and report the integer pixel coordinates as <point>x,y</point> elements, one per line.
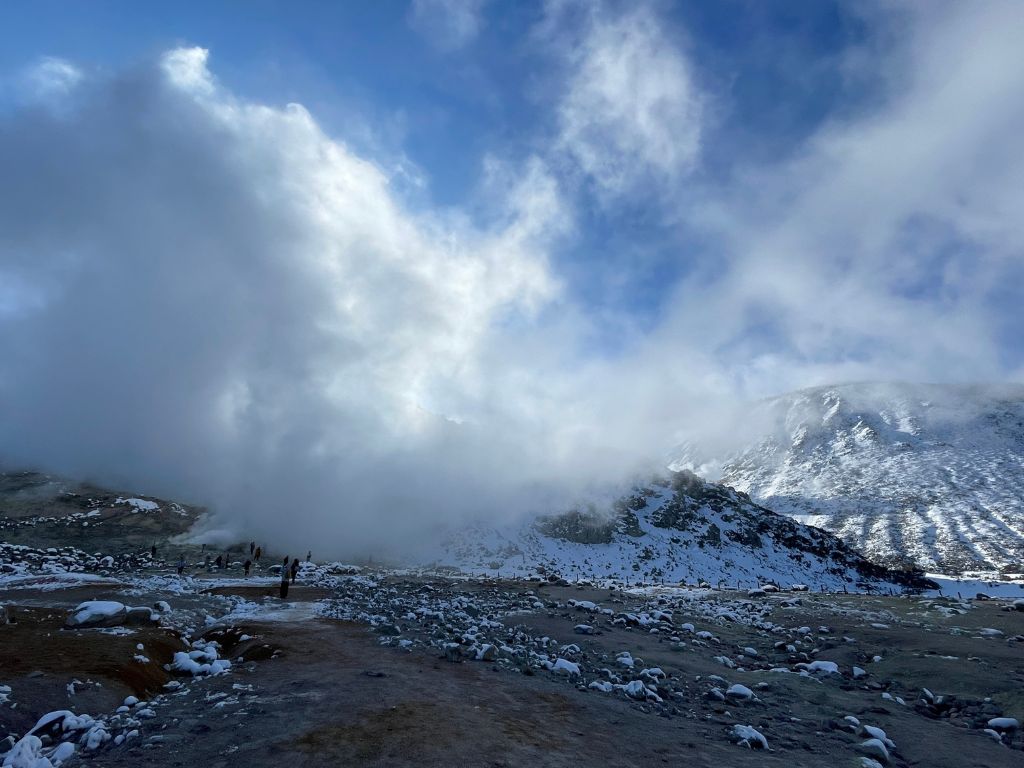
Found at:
<point>365,666</point>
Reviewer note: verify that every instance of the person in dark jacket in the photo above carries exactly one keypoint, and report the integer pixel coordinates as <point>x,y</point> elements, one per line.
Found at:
<point>152,552</point>
<point>252,548</point>
<point>247,566</point>
<point>295,569</point>
<point>259,551</point>
<point>284,579</point>
<point>219,562</point>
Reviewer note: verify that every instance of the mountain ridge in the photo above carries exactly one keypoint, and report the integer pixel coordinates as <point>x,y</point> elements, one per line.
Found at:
<point>928,474</point>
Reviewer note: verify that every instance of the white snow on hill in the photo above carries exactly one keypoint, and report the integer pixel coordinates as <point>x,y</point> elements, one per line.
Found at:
<point>930,473</point>
<point>676,529</point>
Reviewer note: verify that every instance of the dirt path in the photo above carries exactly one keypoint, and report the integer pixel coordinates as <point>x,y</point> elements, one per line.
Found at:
<point>336,697</point>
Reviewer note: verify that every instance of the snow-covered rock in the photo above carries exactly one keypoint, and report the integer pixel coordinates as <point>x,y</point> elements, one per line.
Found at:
<point>875,732</point>
<point>748,736</point>
<point>876,750</point>
<point>739,692</point>
<point>1004,724</point>
<point>27,753</point>
<point>97,613</point>
<point>566,667</point>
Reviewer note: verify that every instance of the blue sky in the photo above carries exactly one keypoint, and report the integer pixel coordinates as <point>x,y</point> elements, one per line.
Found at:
<point>289,238</point>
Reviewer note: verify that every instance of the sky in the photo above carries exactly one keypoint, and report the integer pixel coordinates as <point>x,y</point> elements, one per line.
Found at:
<point>400,264</point>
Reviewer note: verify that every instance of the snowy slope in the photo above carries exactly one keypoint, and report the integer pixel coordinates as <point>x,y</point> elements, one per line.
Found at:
<point>930,473</point>
<point>678,528</point>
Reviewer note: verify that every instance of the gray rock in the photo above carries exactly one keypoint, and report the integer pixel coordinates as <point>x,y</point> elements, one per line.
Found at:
<point>875,749</point>
<point>141,617</point>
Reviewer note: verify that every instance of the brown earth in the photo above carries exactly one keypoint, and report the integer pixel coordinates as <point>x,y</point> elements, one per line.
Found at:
<point>38,659</point>
<point>327,692</point>
<point>317,705</point>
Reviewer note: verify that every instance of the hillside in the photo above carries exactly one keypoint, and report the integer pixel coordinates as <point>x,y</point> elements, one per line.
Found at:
<point>929,473</point>
<point>678,528</point>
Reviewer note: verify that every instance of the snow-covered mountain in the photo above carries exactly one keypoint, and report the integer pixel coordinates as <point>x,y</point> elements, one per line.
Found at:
<point>678,528</point>
<point>933,474</point>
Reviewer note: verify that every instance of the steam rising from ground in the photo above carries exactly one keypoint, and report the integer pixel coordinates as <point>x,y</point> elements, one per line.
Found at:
<point>216,299</point>
<point>211,299</point>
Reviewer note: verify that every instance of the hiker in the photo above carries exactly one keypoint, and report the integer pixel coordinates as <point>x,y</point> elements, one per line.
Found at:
<point>220,562</point>
<point>227,559</point>
<point>247,566</point>
<point>252,548</point>
<point>181,565</point>
<point>309,555</point>
<point>295,569</point>
<point>207,563</point>
<point>152,552</point>
<point>284,579</point>
<point>259,551</point>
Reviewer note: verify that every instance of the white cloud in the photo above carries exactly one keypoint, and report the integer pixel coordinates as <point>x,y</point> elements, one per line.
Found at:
<point>887,247</point>
<point>447,24</point>
<point>50,79</point>
<point>186,68</point>
<point>631,110</point>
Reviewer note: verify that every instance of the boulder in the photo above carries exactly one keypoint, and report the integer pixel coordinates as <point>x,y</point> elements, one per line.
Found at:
<point>141,617</point>
<point>749,737</point>
<point>97,613</point>
<point>739,692</point>
<point>876,750</point>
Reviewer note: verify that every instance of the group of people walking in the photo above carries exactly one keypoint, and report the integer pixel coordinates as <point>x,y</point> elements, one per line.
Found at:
<point>289,567</point>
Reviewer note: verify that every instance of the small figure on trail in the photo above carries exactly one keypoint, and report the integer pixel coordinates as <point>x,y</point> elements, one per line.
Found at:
<point>181,565</point>
<point>259,551</point>
<point>309,555</point>
<point>220,562</point>
<point>207,563</point>
<point>284,579</point>
<point>295,568</point>
<point>152,552</point>
<point>252,547</point>
<point>247,566</point>
<point>227,559</point>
